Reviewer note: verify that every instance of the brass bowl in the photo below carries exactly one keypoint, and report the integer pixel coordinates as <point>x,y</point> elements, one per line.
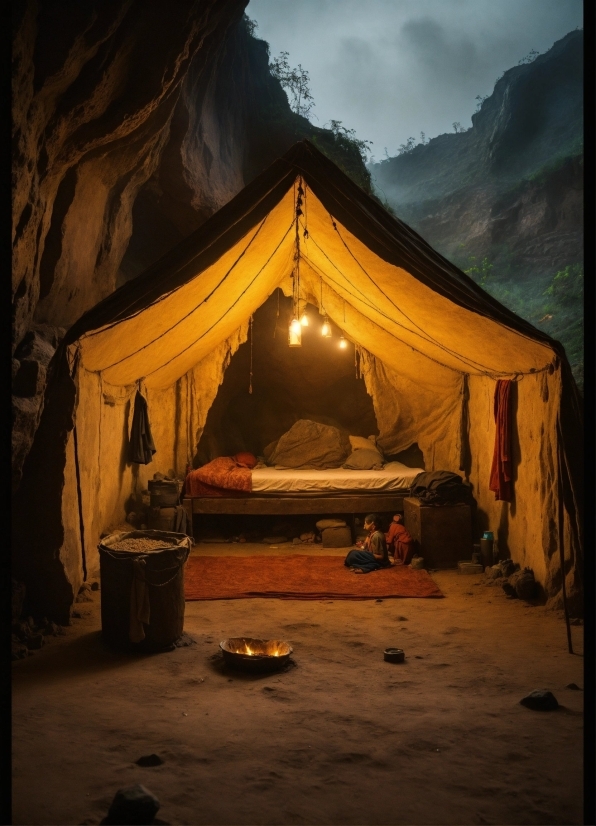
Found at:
<point>250,654</point>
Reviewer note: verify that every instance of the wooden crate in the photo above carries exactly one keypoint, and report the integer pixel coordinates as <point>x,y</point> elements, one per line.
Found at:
<point>443,535</point>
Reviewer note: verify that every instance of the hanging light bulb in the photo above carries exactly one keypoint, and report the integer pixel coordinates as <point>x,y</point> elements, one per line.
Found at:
<point>326,328</point>
<point>295,333</point>
<point>342,342</point>
<point>304,318</point>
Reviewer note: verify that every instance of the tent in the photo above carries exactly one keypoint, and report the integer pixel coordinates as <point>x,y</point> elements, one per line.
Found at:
<point>432,346</point>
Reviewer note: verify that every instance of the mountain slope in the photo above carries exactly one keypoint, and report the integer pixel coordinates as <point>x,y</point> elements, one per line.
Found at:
<point>504,199</point>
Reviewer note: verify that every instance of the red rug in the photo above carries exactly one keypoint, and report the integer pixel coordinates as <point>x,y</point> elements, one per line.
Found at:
<point>298,577</point>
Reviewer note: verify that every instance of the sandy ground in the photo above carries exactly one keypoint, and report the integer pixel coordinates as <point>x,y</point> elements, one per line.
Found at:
<point>341,738</point>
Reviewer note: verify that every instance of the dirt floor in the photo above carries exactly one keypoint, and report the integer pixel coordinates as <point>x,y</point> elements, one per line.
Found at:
<point>340,738</point>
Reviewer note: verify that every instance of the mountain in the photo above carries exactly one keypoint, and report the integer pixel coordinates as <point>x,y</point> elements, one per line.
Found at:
<point>504,199</point>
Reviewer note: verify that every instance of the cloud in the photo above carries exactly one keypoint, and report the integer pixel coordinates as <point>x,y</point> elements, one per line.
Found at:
<point>393,68</point>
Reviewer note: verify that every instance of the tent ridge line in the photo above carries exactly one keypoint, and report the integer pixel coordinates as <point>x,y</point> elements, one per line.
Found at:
<point>405,251</point>
<point>429,339</point>
<point>516,375</point>
<point>172,292</point>
<point>149,277</point>
<point>483,370</point>
<point>406,344</point>
<point>215,323</point>
<point>180,320</point>
<point>463,286</point>
<point>433,284</point>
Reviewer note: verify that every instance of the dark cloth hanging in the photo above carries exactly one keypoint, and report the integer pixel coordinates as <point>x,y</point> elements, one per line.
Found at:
<point>141,447</point>
<point>180,520</point>
<point>501,474</point>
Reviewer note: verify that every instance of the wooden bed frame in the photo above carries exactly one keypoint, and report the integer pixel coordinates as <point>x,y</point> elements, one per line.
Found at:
<point>254,504</point>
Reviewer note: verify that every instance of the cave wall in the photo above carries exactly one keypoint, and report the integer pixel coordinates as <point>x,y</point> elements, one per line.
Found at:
<point>131,126</point>
<point>132,123</point>
<point>94,89</point>
<point>231,121</point>
<point>95,86</point>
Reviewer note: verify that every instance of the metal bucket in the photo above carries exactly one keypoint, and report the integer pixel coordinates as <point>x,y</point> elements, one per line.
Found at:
<point>138,585</point>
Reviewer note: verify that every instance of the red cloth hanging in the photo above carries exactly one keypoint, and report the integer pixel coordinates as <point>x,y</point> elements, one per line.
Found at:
<point>501,473</point>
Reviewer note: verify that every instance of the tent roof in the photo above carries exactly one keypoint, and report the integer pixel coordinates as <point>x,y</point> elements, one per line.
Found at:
<point>386,287</point>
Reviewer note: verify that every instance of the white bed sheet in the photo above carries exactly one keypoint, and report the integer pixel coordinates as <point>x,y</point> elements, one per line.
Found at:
<point>394,476</point>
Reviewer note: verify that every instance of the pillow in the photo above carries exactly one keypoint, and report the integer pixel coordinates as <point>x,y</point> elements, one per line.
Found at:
<point>245,459</point>
<point>362,459</point>
<point>398,466</point>
<point>360,443</point>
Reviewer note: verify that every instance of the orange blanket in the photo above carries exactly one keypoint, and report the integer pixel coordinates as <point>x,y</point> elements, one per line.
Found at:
<point>218,477</point>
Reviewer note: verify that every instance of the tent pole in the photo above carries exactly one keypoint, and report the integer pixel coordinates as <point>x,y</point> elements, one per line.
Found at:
<point>562,555</point>
<point>80,502</point>
<point>74,377</point>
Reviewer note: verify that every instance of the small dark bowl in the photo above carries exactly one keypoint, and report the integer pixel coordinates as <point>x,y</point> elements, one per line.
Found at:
<point>268,655</point>
<point>394,655</point>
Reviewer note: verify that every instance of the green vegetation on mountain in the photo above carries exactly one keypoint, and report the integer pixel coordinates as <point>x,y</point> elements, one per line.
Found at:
<point>503,200</point>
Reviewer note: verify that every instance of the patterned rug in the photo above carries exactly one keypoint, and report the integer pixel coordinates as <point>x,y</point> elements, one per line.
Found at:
<point>298,577</point>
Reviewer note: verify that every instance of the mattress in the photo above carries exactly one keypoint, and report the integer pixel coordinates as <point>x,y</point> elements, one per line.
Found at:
<point>393,477</point>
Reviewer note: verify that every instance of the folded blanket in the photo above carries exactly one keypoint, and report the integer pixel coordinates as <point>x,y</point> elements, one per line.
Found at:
<point>223,473</point>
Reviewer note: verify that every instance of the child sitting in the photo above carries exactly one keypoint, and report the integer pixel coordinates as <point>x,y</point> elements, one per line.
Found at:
<point>399,541</point>
<point>374,555</point>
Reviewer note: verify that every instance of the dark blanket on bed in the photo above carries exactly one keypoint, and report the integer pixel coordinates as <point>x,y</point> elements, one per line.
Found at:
<point>309,444</point>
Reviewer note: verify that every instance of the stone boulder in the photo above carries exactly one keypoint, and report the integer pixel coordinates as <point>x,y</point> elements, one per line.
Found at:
<point>134,804</point>
<point>29,375</point>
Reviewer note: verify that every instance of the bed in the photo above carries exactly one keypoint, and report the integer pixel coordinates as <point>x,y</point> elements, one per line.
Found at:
<point>276,491</point>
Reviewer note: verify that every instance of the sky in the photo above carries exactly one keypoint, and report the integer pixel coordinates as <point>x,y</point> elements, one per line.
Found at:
<point>390,69</point>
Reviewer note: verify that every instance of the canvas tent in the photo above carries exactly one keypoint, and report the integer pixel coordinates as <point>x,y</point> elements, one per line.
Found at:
<point>432,345</point>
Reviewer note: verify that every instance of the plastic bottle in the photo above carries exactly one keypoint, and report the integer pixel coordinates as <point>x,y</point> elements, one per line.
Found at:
<point>487,551</point>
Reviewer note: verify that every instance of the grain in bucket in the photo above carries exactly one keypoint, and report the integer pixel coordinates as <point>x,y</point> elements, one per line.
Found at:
<point>142,588</point>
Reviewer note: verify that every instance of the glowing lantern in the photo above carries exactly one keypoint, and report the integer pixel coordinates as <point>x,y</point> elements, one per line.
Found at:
<point>342,343</point>
<point>326,328</point>
<point>304,319</point>
<point>295,333</point>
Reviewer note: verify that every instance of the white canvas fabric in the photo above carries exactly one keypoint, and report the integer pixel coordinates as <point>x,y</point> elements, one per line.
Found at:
<point>336,480</point>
